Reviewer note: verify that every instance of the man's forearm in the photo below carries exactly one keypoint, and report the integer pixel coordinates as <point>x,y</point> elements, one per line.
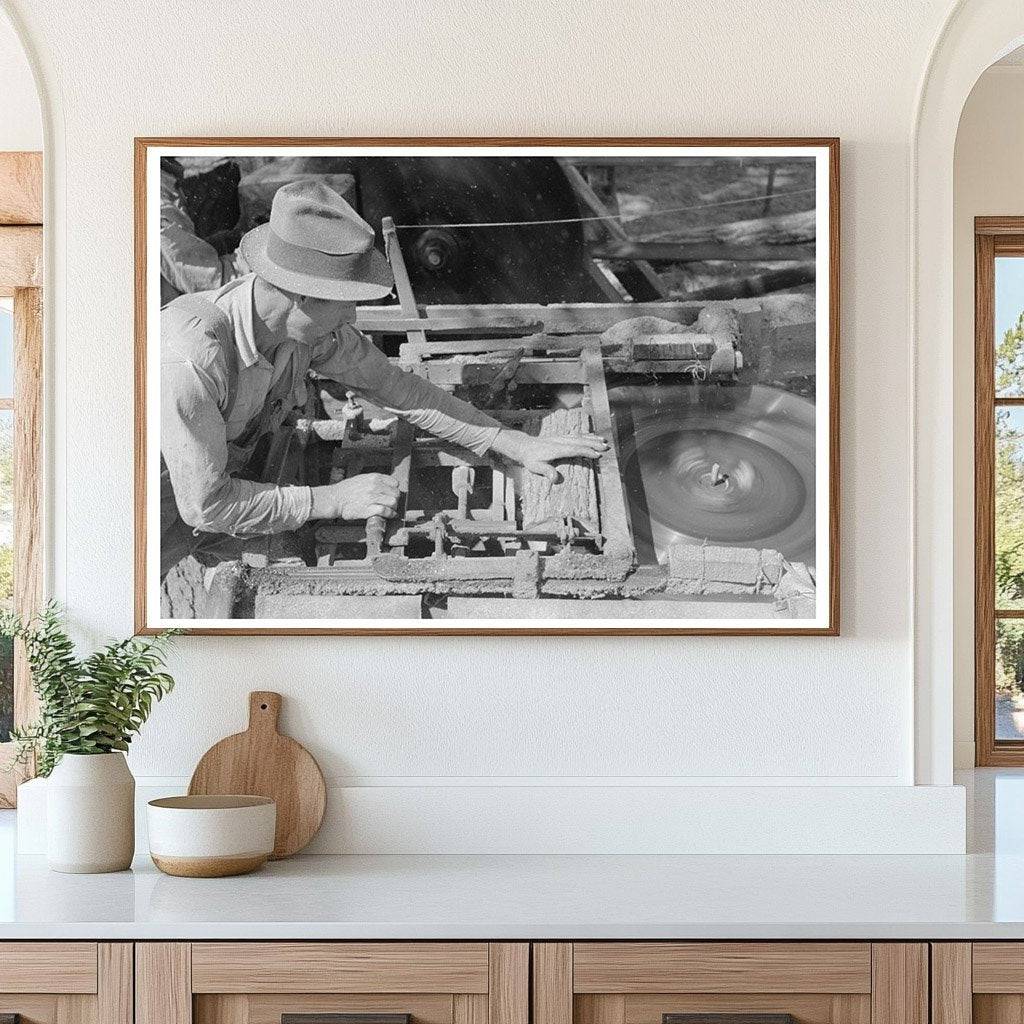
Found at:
<point>439,413</point>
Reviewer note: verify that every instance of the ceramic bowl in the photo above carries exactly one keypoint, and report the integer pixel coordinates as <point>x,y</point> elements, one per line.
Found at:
<point>211,836</point>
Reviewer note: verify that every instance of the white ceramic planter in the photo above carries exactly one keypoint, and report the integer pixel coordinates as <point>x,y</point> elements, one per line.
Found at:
<point>90,814</point>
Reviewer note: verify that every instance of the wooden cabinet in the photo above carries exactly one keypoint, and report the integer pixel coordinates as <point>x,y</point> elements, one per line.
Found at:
<point>648,982</point>
<point>980,982</point>
<point>494,983</point>
<point>259,982</point>
<point>66,982</point>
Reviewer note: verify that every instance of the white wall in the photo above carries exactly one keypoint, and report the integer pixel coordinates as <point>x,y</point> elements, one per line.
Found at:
<point>396,713</point>
<point>21,125</point>
<point>988,181</point>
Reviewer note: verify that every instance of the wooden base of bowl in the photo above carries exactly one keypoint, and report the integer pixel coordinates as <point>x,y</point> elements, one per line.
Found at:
<point>210,867</point>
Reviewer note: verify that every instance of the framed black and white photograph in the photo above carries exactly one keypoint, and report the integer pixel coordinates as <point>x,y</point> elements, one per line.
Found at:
<point>487,386</point>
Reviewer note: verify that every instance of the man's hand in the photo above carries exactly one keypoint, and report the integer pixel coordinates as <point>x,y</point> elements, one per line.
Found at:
<point>537,454</point>
<point>358,497</point>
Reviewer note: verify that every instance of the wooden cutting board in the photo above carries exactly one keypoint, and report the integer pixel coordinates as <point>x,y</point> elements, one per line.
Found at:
<point>262,762</point>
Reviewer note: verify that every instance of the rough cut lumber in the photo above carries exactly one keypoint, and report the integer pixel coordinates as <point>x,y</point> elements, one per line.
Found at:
<point>557,318</point>
<point>615,524</point>
<point>21,188</point>
<point>21,258</point>
<point>575,494</point>
<point>788,229</point>
<point>611,224</point>
<point>574,608</point>
<point>762,282</point>
<point>698,252</point>
<point>707,569</point>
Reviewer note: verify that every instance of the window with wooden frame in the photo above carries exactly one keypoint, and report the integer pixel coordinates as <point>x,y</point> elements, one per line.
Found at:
<point>21,366</point>
<point>999,490</point>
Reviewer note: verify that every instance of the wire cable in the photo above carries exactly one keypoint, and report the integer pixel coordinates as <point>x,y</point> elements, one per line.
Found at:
<point>609,216</point>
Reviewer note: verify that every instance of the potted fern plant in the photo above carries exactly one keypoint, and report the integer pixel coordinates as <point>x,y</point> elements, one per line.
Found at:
<point>89,710</point>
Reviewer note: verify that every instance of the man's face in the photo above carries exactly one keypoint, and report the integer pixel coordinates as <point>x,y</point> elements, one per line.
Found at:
<point>309,318</point>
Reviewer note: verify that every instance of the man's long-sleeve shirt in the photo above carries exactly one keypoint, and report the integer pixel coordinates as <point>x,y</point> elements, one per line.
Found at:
<point>218,393</point>
<point>188,263</point>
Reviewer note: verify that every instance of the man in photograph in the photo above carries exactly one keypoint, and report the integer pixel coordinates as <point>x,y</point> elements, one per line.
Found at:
<point>234,366</point>
<point>188,263</point>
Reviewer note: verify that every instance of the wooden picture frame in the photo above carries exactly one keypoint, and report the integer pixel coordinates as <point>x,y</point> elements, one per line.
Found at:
<point>825,618</point>
<point>21,263</point>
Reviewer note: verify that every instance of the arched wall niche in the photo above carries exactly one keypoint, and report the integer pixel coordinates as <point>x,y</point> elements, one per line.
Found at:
<point>21,119</point>
<point>975,34</point>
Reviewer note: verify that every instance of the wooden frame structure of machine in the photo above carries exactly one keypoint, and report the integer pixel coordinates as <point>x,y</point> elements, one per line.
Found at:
<point>467,526</point>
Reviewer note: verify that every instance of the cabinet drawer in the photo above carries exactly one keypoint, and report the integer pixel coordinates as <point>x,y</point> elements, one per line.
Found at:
<point>48,967</point>
<point>981,982</point>
<point>340,967</point>
<point>634,967</point>
<point>261,982</point>
<point>735,982</point>
<point>66,982</point>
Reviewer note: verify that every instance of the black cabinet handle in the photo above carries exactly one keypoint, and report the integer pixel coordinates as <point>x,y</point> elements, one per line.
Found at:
<point>728,1018</point>
<point>337,1018</point>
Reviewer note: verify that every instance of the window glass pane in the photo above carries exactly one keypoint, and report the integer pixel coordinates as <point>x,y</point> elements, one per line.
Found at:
<point>1009,679</point>
<point>1009,512</point>
<point>6,567</point>
<point>1009,326</point>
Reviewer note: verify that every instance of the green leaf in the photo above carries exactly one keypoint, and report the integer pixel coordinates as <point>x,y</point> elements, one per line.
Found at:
<point>89,705</point>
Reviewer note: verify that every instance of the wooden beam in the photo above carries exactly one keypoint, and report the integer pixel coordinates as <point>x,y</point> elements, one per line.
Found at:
<point>611,224</point>
<point>699,252</point>
<point>28,481</point>
<point>615,524</point>
<point>21,258</point>
<point>557,318</point>
<point>21,188</point>
<point>27,500</point>
<point>448,373</point>
<point>372,321</point>
<point>682,161</point>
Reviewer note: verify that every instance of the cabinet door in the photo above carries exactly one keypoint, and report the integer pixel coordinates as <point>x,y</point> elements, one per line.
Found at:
<point>304,982</point>
<point>66,982</point>
<point>737,982</point>
<point>981,982</point>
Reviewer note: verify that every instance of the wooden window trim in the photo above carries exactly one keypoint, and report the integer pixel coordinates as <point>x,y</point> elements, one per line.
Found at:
<point>993,236</point>
<point>21,250</point>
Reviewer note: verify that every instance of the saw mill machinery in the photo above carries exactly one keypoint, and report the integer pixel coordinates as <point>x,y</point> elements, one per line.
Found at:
<point>706,493</point>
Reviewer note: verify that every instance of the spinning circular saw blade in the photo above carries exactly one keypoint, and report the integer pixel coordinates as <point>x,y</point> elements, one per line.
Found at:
<point>740,476</point>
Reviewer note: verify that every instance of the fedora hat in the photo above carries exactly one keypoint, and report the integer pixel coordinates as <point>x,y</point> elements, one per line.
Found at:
<point>315,244</point>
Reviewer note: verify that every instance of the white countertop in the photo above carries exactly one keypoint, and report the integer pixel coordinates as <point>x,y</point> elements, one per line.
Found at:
<point>977,896</point>
<point>532,897</point>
